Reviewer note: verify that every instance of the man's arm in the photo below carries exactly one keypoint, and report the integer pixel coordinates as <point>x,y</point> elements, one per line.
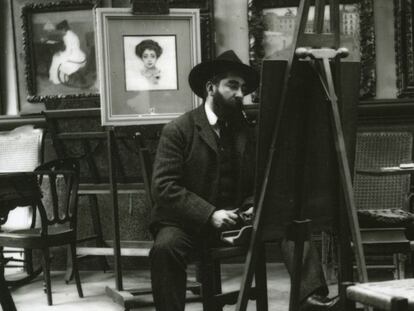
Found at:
<point>183,205</point>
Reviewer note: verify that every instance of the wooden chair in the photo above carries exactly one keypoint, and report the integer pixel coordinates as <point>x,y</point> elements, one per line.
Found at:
<point>21,150</point>
<point>52,192</point>
<point>383,192</point>
<point>208,261</point>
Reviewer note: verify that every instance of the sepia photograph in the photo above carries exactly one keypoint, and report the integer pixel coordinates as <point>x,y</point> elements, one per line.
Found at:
<point>207,155</point>
<point>150,63</point>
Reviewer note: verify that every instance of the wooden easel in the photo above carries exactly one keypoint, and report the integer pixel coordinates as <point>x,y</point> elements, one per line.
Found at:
<point>321,59</point>
<point>103,153</point>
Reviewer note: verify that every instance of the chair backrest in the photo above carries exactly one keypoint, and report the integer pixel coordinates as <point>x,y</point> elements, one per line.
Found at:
<point>381,149</point>
<point>21,150</point>
<point>59,182</point>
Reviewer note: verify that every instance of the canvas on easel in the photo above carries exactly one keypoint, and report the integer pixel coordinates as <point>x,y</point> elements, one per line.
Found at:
<point>306,122</point>
<point>305,136</point>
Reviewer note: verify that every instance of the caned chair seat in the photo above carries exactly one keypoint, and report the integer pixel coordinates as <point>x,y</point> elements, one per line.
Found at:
<point>384,295</point>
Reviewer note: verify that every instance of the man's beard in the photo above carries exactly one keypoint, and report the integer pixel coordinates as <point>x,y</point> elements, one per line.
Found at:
<point>227,109</point>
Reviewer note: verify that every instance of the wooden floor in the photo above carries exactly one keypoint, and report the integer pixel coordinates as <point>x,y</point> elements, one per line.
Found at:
<point>31,297</point>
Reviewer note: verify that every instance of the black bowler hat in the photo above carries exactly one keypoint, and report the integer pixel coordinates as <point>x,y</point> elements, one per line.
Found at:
<point>225,62</point>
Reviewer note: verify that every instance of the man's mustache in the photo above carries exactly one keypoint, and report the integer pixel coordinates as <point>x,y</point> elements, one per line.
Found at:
<point>238,102</point>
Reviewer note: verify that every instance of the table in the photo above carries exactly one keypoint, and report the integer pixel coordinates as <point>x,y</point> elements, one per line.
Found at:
<point>16,189</point>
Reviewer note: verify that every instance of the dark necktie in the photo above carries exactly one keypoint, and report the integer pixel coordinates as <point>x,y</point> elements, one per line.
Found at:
<point>224,129</point>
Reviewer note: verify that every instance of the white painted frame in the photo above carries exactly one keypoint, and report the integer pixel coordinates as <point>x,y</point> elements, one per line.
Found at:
<point>102,15</point>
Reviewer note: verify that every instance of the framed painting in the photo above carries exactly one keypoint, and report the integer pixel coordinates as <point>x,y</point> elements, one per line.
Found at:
<point>144,62</point>
<point>59,50</point>
<point>404,47</point>
<point>272,23</point>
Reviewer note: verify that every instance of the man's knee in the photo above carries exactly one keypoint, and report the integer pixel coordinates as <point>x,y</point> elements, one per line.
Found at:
<point>170,247</point>
<point>163,249</point>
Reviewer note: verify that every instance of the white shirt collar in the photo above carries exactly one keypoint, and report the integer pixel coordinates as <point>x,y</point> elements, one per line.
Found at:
<point>211,116</point>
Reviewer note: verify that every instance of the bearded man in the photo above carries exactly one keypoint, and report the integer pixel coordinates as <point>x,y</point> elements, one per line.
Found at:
<point>203,180</point>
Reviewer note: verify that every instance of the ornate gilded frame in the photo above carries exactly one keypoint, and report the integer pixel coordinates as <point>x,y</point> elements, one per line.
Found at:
<point>367,38</point>
<point>404,47</point>
<point>28,11</point>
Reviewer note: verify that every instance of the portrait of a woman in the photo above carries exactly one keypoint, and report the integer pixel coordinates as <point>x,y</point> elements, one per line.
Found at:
<point>149,51</point>
<point>150,63</point>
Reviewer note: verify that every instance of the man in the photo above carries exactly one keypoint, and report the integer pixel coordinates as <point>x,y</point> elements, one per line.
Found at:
<point>203,175</point>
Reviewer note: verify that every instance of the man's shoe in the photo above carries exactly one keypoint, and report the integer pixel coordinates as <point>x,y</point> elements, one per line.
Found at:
<point>320,303</point>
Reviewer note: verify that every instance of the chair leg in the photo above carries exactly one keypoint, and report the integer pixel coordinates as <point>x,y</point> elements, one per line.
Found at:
<point>75,269</point>
<point>399,304</point>
<point>69,265</point>
<point>402,259</point>
<point>207,281</point>
<point>261,281</point>
<point>28,257</point>
<point>345,303</point>
<point>46,274</point>
<point>217,289</point>
<point>197,290</point>
<point>217,277</point>
<point>6,300</point>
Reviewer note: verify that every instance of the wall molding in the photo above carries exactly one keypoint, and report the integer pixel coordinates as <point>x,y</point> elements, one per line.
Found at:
<point>10,122</point>
<point>386,111</point>
<point>370,112</point>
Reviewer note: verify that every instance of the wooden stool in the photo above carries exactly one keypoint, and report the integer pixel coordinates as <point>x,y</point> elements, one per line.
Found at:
<point>395,295</point>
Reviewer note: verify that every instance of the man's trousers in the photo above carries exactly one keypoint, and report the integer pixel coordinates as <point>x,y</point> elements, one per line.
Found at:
<point>174,248</point>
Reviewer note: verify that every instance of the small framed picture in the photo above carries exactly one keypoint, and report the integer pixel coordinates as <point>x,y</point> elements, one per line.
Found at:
<point>144,62</point>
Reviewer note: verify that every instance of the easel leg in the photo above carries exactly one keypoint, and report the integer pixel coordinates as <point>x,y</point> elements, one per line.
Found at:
<point>115,210</point>
<point>344,170</point>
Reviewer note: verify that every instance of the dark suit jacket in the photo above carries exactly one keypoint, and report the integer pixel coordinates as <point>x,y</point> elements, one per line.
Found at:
<point>186,171</point>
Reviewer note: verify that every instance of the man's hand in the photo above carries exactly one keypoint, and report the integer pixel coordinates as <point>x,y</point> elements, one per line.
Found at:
<point>222,219</point>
